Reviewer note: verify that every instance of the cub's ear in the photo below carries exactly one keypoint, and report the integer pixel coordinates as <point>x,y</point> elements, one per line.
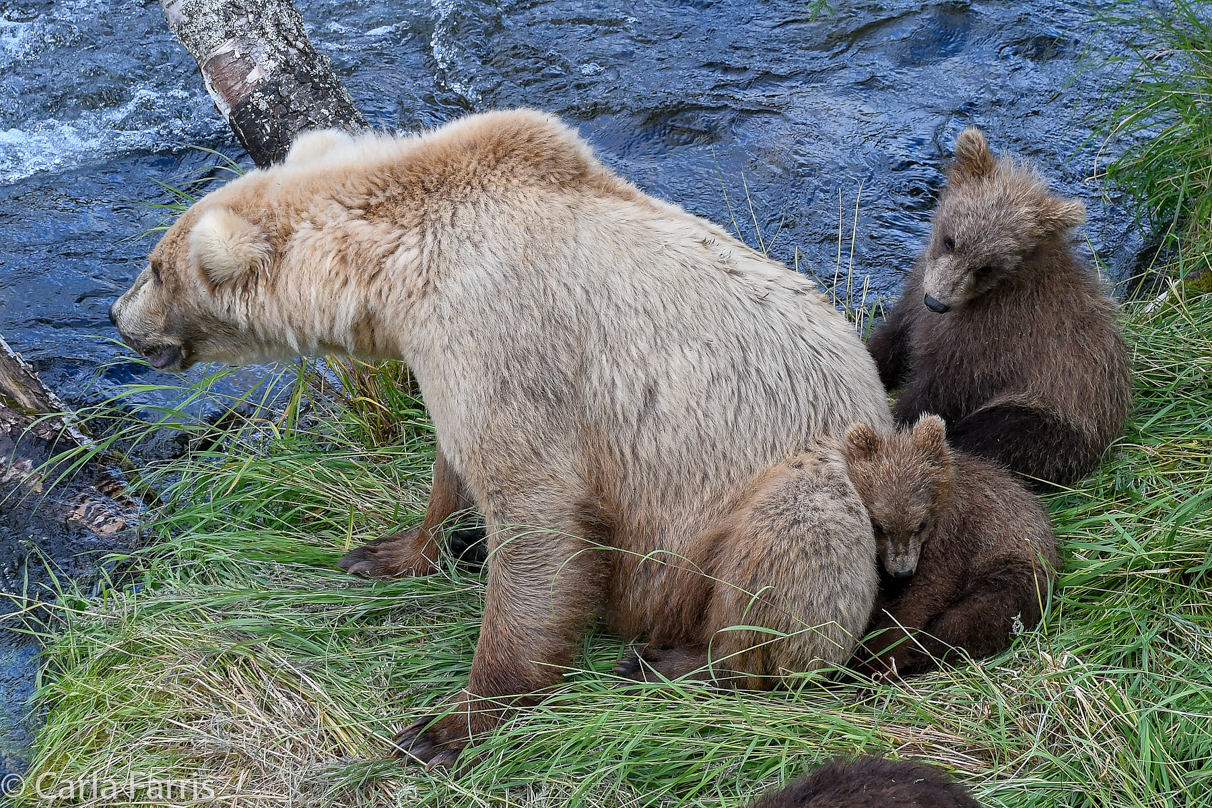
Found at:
<point>315,144</point>
<point>228,247</point>
<point>861,442</point>
<point>930,433</point>
<point>973,159</point>
<point>1058,215</point>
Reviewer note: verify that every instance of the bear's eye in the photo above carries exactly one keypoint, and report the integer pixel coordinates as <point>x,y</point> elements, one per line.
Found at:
<point>987,269</point>
<point>155,269</point>
<point>877,527</point>
<point>925,524</point>
<point>949,244</point>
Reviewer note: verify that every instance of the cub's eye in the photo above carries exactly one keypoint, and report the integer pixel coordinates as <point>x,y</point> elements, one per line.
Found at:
<point>877,527</point>
<point>155,270</point>
<point>949,244</point>
<point>985,270</point>
<point>925,524</point>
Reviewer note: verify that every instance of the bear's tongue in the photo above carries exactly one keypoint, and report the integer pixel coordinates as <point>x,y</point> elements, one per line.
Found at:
<point>164,357</point>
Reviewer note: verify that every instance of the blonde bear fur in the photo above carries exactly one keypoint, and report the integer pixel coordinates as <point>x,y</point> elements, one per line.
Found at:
<point>607,374</point>
<point>778,605</point>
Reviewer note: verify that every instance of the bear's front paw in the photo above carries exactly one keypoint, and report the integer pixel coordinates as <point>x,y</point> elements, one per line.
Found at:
<point>399,555</point>
<point>652,663</point>
<point>891,656</point>
<point>434,742</point>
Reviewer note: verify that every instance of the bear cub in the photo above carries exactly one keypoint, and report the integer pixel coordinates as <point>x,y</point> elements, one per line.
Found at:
<point>967,555</point>
<point>787,582</point>
<point>871,782</point>
<point>1003,331</point>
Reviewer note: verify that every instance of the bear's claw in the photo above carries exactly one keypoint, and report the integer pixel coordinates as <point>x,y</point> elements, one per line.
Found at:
<point>398,554</point>
<point>630,666</point>
<point>419,742</point>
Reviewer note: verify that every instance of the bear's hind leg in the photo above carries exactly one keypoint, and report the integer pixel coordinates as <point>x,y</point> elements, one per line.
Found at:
<point>996,607</point>
<point>1027,440</point>
<point>981,621</point>
<point>412,552</point>
<point>545,585</point>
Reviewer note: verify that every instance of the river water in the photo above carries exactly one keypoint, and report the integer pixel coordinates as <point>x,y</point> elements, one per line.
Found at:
<point>789,126</point>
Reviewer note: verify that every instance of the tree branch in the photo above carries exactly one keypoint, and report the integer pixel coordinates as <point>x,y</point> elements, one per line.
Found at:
<point>262,72</point>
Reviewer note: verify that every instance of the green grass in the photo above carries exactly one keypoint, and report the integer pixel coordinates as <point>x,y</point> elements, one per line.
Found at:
<point>1162,117</point>
<point>240,658</point>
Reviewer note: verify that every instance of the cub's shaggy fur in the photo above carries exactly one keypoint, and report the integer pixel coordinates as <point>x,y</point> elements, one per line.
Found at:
<point>871,782</point>
<point>607,374</point>
<point>1003,331</point>
<point>968,554</point>
<point>797,558</point>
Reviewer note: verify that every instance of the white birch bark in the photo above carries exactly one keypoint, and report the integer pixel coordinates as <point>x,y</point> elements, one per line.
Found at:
<point>262,72</point>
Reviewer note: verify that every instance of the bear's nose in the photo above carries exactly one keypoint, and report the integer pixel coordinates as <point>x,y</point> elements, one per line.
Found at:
<point>112,319</point>
<point>936,306</point>
<point>901,575</point>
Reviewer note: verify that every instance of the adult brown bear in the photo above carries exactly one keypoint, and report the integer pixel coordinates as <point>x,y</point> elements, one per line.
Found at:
<point>606,373</point>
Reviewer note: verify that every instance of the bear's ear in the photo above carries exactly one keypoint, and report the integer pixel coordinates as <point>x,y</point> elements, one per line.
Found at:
<point>1059,215</point>
<point>973,159</point>
<point>861,442</point>
<point>315,144</point>
<point>930,433</point>
<point>228,247</point>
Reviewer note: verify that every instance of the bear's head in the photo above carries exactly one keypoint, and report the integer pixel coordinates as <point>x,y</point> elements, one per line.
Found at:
<point>904,480</point>
<point>992,215</point>
<point>191,302</point>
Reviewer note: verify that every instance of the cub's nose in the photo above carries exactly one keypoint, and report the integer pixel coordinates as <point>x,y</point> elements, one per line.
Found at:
<point>902,575</point>
<point>936,306</point>
<point>112,320</point>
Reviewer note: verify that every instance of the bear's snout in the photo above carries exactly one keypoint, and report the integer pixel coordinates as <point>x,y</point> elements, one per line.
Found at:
<point>936,306</point>
<point>113,320</point>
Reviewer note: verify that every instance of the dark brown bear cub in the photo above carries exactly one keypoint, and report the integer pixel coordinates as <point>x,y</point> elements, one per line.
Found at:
<point>871,782</point>
<point>1003,331</point>
<point>968,556</point>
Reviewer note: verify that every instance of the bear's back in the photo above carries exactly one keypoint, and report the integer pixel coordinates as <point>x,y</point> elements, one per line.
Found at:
<point>550,309</point>
<point>995,519</point>
<point>658,331</point>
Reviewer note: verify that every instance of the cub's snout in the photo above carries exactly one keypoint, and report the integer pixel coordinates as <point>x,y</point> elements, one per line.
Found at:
<point>936,306</point>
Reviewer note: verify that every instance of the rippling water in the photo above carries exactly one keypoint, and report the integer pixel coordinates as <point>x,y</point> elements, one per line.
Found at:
<point>757,115</point>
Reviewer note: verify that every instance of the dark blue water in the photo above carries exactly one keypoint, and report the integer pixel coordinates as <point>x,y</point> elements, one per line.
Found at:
<point>758,115</point>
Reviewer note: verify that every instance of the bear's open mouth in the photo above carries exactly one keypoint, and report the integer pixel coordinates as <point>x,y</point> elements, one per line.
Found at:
<point>165,357</point>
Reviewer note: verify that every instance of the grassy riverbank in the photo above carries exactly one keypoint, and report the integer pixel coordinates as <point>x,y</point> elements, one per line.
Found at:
<point>234,663</point>
<point>244,663</point>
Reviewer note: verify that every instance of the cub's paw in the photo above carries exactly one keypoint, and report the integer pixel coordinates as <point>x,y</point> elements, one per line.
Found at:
<point>396,556</point>
<point>432,741</point>
<point>469,546</point>
<point>654,663</point>
<point>630,666</point>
